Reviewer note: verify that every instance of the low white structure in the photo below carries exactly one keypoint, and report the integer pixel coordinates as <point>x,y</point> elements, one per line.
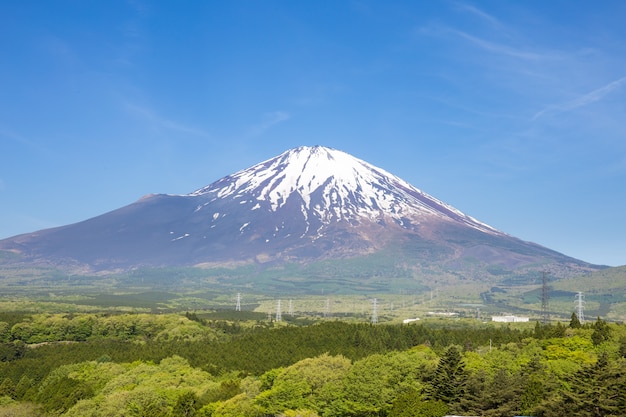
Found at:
<point>442,313</point>
<point>509,319</point>
<point>405,321</point>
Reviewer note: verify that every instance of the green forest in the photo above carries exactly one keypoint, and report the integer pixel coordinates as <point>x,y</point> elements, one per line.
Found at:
<point>205,364</point>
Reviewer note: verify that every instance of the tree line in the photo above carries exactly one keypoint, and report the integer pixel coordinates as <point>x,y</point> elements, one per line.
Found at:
<point>329,369</point>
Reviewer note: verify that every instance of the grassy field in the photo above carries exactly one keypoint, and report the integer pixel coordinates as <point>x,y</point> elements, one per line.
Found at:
<point>311,291</point>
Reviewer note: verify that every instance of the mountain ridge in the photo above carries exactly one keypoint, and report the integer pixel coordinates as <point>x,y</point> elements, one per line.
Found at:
<point>305,205</point>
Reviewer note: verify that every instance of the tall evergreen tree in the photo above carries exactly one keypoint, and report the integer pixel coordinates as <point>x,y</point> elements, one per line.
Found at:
<point>574,322</point>
<point>450,379</point>
<point>7,388</point>
<point>601,332</point>
<point>596,390</point>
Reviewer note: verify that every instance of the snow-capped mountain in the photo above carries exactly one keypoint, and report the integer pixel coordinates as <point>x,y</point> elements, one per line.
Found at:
<point>306,205</point>
<point>327,186</point>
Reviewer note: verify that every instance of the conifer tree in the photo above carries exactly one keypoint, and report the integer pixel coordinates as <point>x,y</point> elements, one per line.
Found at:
<point>23,388</point>
<point>601,332</point>
<point>7,388</point>
<point>449,382</point>
<point>596,390</point>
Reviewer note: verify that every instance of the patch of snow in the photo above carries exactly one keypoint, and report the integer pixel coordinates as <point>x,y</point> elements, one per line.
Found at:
<point>346,187</point>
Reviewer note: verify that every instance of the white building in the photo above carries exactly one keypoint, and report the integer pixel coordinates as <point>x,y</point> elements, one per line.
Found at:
<point>509,319</point>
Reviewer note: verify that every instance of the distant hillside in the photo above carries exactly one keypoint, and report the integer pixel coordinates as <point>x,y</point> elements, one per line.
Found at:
<point>311,217</point>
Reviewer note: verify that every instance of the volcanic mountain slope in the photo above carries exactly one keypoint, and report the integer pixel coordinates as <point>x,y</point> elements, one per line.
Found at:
<point>305,205</point>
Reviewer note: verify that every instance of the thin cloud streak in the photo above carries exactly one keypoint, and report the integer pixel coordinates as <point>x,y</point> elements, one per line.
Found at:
<point>158,121</point>
<point>583,100</point>
<point>269,120</point>
<point>487,45</point>
<point>26,142</point>
<point>480,13</point>
<point>500,48</point>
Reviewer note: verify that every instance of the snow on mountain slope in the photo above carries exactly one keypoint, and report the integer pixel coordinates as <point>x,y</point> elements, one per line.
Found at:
<point>306,205</point>
<point>334,186</point>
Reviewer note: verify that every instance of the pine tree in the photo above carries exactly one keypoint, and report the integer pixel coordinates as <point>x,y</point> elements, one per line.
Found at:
<point>596,390</point>
<point>7,388</point>
<point>601,332</point>
<point>23,388</point>
<point>450,379</point>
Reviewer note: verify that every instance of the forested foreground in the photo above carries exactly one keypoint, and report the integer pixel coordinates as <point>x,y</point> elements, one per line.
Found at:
<point>183,365</point>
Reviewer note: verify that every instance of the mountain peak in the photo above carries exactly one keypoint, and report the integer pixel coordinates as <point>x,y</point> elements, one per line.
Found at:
<point>331,185</point>
<point>307,204</point>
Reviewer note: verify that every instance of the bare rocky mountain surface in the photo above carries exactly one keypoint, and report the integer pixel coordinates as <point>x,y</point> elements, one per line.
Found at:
<point>305,206</point>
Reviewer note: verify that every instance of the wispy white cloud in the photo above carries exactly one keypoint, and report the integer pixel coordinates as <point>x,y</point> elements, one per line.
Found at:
<point>503,49</point>
<point>24,141</point>
<point>157,121</point>
<point>140,6</point>
<point>490,46</point>
<point>582,100</point>
<point>479,13</point>
<point>270,120</point>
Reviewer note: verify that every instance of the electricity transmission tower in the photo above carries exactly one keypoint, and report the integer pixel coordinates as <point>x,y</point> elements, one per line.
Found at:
<point>279,316</point>
<point>580,307</point>
<point>290,309</point>
<point>545,298</point>
<point>238,306</point>
<point>375,311</point>
<point>327,309</point>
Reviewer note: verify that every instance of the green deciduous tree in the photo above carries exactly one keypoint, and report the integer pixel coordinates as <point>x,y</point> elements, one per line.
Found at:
<point>412,404</point>
<point>186,405</point>
<point>303,385</point>
<point>239,406</point>
<point>373,383</point>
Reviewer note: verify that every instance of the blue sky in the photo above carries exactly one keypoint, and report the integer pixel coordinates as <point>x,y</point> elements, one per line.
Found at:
<point>513,112</point>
